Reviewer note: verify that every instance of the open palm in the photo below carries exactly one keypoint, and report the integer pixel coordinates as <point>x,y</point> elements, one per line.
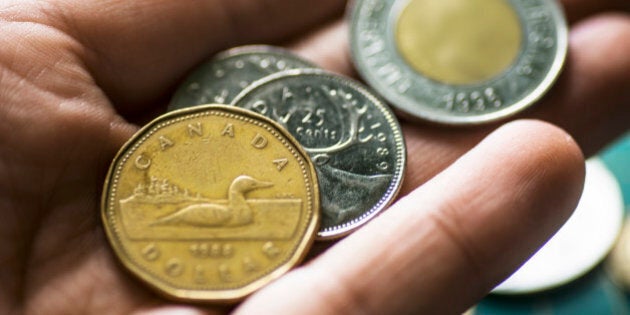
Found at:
<point>77,78</point>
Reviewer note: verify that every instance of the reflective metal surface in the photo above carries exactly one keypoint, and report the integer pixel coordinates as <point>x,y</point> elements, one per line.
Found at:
<point>352,137</point>
<point>439,61</point>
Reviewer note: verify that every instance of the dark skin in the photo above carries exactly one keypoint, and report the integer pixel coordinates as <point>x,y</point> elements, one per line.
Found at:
<point>78,78</point>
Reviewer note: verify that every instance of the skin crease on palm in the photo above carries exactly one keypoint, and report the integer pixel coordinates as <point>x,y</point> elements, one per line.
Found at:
<point>77,78</point>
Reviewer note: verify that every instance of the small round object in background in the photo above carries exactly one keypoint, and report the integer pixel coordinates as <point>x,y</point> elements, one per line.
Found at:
<point>584,240</point>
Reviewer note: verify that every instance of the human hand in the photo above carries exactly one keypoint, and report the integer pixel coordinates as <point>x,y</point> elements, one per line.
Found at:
<point>77,78</point>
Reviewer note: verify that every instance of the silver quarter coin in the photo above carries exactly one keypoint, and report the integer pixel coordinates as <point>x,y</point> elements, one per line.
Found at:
<point>582,242</point>
<point>221,78</point>
<point>354,140</point>
<point>459,62</point>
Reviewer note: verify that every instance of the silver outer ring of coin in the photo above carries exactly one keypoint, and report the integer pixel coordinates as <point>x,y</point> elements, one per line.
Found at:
<point>219,79</point>
<point>540,61</point>
<point>384,131</point>
<point>581,243</point>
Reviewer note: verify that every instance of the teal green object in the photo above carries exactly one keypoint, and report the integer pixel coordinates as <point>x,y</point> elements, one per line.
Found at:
<point>592,294</point>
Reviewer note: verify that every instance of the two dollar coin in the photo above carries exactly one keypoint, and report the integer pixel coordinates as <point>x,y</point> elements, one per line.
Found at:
<point>459,62</point>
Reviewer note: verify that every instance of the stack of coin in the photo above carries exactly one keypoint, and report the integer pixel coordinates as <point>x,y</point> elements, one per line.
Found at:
<point>334,118</point>
<point>211,202</point>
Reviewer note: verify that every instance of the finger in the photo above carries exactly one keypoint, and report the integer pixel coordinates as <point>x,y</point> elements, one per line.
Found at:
<point>592,100</point>
<point>444,246</point>
<point>577,10</point>
<point>138,49</point>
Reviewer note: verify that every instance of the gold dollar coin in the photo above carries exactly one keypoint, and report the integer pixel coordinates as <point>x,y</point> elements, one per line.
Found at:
<point>210,203</point>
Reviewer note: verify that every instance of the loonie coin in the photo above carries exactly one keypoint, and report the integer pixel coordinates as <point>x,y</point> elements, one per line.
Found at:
<point>583,241</point>
<point>222,77</point>
<point>210,203</point>
<point>352,137</point>
<point>459,61</point>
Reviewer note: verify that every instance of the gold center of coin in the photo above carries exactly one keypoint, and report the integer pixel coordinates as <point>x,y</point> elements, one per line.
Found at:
<point>459,41</point>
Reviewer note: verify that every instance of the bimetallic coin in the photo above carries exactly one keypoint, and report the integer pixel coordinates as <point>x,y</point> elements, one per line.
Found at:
<point>582,242</point>
<point>224,76</point>
<point>210,203</point>
<point>459,61</point>
<point>352,137</point>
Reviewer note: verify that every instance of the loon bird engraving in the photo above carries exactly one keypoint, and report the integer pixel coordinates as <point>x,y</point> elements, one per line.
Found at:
<point>236,213</point>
